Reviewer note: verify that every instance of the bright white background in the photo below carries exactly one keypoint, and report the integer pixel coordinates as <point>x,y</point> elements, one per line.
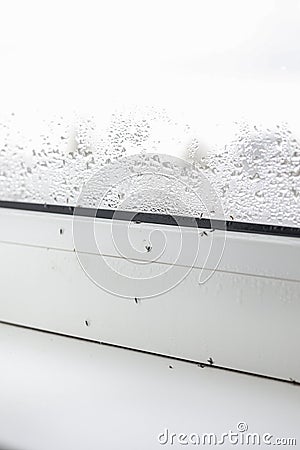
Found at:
<point>211,60</point>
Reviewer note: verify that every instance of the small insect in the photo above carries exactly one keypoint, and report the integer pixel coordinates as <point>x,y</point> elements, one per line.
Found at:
<point>210,361</point>
<point>61,231</point>
<point>87,323</point>
<point>201,365</point>
<point>293,381</point>
<point>212,230</point>
<point>170,367</point>
<point>148,248</point>
<point>136,300</point>
<point>231,217</point>
<point>204,233</point>
<point>201,215</point>
<point>137,222</point>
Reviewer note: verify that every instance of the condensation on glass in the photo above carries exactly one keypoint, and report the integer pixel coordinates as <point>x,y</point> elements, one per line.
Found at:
<point>255,173</point>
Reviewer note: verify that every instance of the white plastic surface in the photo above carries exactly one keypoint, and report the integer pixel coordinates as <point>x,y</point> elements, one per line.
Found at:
<point>58,393</point>
<point>244,317</point>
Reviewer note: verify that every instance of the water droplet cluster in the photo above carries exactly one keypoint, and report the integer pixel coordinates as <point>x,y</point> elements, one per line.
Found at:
<point>256,174</point>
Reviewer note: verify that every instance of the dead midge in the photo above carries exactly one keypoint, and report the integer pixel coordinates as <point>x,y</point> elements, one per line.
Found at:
<point>210,361</point>
<point>148,248</point>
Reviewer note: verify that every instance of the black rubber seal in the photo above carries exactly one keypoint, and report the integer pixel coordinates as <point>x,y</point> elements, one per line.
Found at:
<point>153,218</point>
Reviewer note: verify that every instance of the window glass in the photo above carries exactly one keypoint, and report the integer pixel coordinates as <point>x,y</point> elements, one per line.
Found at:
<point>91,91</point>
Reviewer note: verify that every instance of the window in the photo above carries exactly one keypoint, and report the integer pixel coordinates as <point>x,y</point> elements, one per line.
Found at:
<point>78,102</point>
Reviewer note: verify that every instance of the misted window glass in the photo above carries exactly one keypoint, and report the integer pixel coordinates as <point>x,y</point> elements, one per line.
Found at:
<point>85,87</point>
